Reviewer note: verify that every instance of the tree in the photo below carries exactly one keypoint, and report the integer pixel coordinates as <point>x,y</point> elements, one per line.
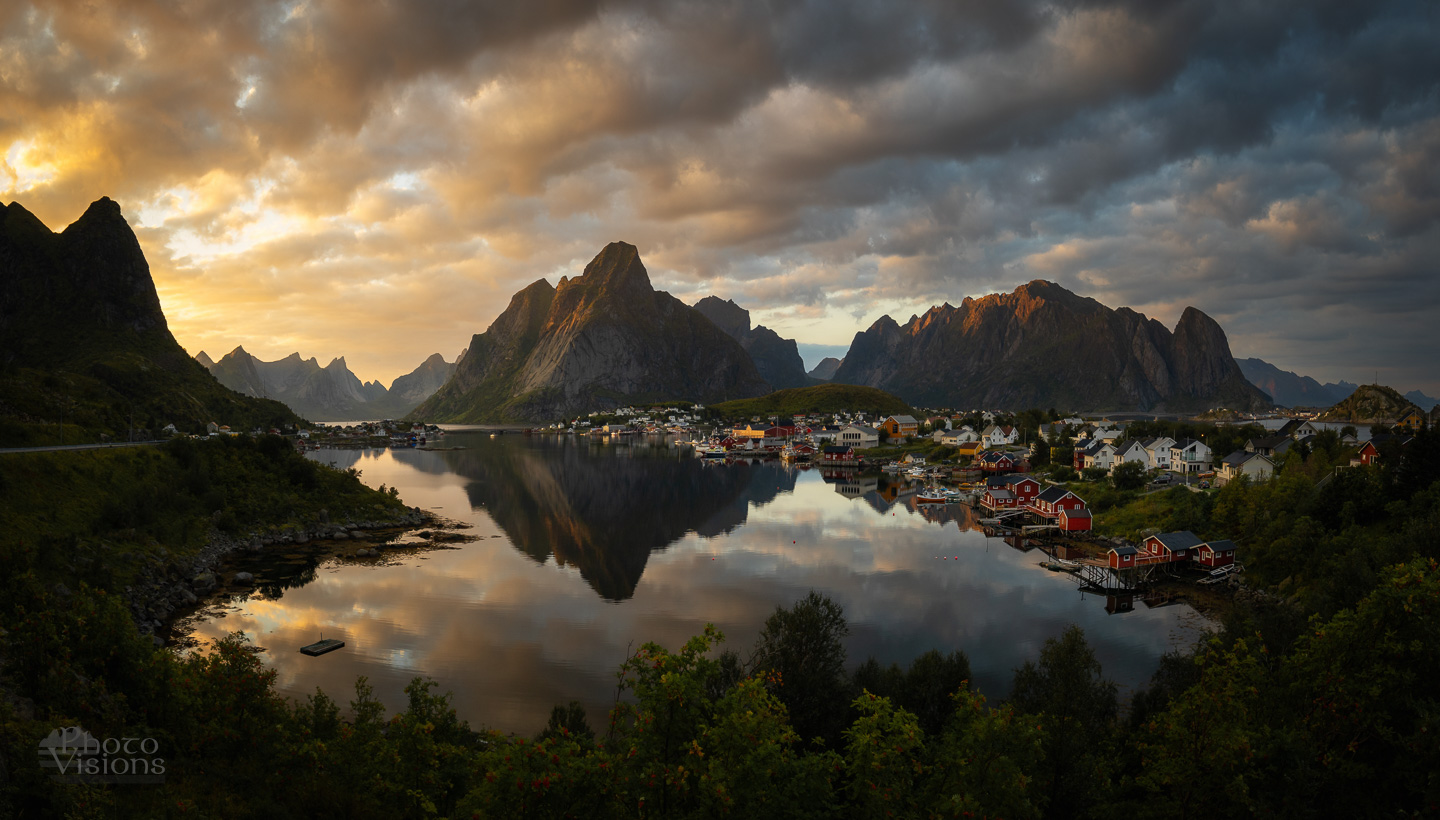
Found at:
<point>800,649</point>
<point>1077,707</point>
<point>1129,475</point>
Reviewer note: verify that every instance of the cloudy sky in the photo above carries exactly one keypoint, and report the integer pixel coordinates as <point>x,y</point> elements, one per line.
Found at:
<point>375,179</point>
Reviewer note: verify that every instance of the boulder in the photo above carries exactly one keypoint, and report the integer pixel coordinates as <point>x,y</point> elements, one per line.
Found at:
<point>340,535</point>
<point>204,581</point>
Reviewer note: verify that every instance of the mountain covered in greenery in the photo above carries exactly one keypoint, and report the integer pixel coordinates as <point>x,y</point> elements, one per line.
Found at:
<point>1043,346</point>
<point>85,351</point>
<point>602,340</point>
<point>1370,402</point>
<point>822,398</point>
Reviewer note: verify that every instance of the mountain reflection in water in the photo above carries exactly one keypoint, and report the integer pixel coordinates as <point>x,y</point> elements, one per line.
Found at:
<point>584,551</point>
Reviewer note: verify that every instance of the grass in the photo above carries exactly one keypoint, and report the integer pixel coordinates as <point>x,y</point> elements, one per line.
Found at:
<point>822,398</point>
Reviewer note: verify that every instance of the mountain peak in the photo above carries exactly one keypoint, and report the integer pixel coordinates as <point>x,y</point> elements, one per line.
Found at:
<point>617,266</point>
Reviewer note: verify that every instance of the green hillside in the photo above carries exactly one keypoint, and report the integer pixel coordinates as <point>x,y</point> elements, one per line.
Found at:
<point>823,398</point>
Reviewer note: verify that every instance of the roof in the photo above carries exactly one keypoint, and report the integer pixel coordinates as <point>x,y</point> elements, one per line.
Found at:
<point>999,493</point>
<point>1082,513</point>
<point>903,419</point>
<point>1185,444</point>
<point>1223,545</point>
<point>865,429</point>
<point>995,455</point>
<point>1239,457</point>
<point>1007,480</point>
<point>836,450</point>
<point>1267,443</point>
<point>1053,493</point>
<point>1122,550</point>
<point>1177,541</point>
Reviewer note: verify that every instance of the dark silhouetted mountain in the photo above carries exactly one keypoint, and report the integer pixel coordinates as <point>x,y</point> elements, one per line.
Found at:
<point>605,515</point>
<point>777,359</point>
<point>83,337</point>
<point>332,392</point>
<point>1286,388</point>
<point>1043,346</point>
<point>825,370</point>
<point>601,340</point>
<point>1422,401</point>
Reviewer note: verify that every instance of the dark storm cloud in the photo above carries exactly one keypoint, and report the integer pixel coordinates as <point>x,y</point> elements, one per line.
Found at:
<point>1274,164</point>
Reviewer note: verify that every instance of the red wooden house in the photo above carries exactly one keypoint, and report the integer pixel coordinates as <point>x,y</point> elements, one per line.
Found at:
<point>999,498</point>
<point>839,454</point>
<point>994,461</point>
<point>1077,520</point>
<point>1049,503</point>
<point>1170,546</point>
<point>1024,487</point>
<point>1214,554</point>
<point>1123,557</point>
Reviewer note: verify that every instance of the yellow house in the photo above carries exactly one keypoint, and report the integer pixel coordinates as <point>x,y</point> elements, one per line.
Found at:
<point>1411,420</point>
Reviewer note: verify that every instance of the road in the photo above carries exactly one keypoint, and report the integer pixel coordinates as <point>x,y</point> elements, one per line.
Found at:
<point>54,447</point>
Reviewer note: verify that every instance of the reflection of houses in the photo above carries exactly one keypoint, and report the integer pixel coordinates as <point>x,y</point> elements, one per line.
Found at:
<point>849,483</point>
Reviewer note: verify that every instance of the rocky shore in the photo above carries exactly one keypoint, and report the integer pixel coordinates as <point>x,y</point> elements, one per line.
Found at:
<point>169,585</point>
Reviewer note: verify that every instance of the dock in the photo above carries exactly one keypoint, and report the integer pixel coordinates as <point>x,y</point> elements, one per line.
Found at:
<point>322,646</point>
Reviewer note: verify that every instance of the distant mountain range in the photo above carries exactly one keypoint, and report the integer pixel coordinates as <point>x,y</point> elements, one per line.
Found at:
<point>1043,346</point>
<point>1289,389</point>
<point>777,359</point>
<point>83,339</point>
<point>604,339</point>
<point>329,393</point>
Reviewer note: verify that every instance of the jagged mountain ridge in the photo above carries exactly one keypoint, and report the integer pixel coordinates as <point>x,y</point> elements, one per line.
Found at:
<point>1043,346</point>
<point>601,340</point>
<point>329,393</point>
<point>83,336</point>
<point>1289,389</point>
<point>777,359</point>
<point>1369,403</point>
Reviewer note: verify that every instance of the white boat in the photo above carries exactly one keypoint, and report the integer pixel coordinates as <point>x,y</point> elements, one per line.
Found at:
<point>934,495</point>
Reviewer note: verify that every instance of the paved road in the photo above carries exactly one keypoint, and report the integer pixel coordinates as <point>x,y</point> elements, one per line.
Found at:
<point>53,447</point>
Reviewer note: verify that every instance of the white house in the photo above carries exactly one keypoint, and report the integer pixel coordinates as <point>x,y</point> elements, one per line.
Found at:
<point>1189,456</point>
<point>997,436</point>
<point>1131,450</point>
<point>1239,463</point>
<point>860,436</point>
<point>1099,454</point>
<point>1158,451</point>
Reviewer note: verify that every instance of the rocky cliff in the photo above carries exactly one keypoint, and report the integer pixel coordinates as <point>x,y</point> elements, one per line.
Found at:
<point>83,337</point>
<point>825,370</point>
<point>603,339</point>
<point>329,393</point>
<point>1043,346</point>
<point>777,359</point>
<point>1370,403</point>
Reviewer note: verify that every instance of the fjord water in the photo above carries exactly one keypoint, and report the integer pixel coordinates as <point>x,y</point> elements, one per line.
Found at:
<point>584,551</point>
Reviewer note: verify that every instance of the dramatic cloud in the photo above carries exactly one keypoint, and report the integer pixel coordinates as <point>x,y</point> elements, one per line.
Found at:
<point>375,180</point>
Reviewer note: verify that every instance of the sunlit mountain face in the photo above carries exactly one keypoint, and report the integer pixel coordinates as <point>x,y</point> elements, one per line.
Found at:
<point>582,552</point>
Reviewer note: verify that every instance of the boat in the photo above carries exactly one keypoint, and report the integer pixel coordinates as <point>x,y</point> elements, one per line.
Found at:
<point>934,495</point>
<point>322,646</point>
<point>713,452</point>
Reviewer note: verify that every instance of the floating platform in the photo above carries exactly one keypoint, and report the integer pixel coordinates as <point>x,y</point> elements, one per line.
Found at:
<point>321,647</point>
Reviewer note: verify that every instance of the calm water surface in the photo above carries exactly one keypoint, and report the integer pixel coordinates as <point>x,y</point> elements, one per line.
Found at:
<point>585,551</point>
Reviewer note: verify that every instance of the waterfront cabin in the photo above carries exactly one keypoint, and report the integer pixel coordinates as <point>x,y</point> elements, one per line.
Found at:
<point>1076,520</point>
<point>1170,546</point>
<point>1122,557</point>
<point>1024,487</point>
<point>837,455</point>
<point>1049,503</point>
<point>1214,554</point>
<point>999,498</point>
